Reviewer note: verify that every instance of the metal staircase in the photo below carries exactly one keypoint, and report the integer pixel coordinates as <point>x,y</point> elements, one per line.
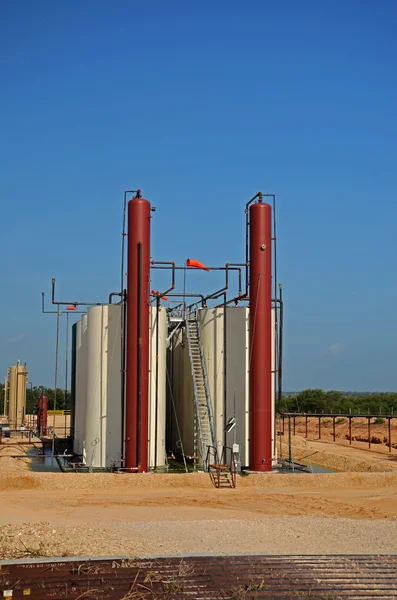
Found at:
<point>222,469</point>
<point>204,434</point>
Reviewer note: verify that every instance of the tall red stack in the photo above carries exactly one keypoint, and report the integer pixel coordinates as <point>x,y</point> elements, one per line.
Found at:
<point>138,302</point>
<point>260,345</point>
<point>42,416</point>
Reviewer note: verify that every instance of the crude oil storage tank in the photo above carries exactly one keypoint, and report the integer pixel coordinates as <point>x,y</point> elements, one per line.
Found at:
<point>80,384</point>
<point>102,427</point>
<point>153,382</point>
<point>98,406</point>
<point>208,367</point>
<point>17,395</point>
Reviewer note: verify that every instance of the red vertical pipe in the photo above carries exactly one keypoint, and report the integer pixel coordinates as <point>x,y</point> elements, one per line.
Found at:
<point>260,347</point>
<point>42,415</point>
<point>138,301</point>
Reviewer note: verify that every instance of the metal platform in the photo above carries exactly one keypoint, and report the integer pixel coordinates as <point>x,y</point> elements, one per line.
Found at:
<point>203,577</point>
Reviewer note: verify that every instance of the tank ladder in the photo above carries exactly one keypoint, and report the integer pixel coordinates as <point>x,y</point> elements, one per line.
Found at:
<point>222,469</point>
<point>204,421</point>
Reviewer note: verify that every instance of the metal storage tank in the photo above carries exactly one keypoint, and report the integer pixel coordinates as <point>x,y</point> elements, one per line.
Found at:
<point>181,396</point>
<point>6,387</point>
<point>17,395</point>
<point>73,382</point>
<point>157,402</point>
<point>102,431</point>
<point>79,393</point>
<point>236,401</point>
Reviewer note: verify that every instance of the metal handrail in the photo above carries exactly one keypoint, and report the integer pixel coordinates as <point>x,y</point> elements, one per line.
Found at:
<point>206,382</point>
<point>195,391</point>
<point>222,461</point>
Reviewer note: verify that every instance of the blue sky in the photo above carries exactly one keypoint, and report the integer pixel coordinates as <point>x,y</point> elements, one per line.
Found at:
<point>201,105</point>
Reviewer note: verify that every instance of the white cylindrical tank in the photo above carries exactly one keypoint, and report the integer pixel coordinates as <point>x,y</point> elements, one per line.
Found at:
<point>79,404</point>
<point>157,402</point>
<point>83,363</point>
<point>95,386</point>
<point>274,375</point>
<point>113,415</point>
<point>236,400</point>
<point>102,431</point>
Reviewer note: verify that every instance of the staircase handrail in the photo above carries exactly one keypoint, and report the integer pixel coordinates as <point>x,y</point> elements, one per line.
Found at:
<point>195,391</point>
<point>206,382</point>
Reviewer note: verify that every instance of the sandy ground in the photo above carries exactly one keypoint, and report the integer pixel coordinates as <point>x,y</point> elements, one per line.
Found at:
<point>55,514</point>
<point>58,514</point>
<point>340,456</point>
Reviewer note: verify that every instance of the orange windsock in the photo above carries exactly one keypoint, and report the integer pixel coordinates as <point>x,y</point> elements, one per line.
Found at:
<point>196,264</point>
<point>71,308</point>
<point>156,293</point>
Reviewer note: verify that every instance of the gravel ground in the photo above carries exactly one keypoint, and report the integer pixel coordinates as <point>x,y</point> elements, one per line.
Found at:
<point>108,514</point>
<point>277,535</point>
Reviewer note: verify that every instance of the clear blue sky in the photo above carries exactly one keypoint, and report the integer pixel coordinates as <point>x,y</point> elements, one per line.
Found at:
<point>201,105</point>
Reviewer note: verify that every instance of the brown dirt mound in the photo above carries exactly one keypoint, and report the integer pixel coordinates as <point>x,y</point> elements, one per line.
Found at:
<point>13,481</point>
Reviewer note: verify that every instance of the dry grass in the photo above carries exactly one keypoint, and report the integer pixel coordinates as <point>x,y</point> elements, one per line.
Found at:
<point>30,541</point>
<point>157,585</point>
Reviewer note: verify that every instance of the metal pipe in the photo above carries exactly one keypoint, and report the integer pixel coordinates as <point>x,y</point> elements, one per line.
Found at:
<point>54,312</point>
<point>66,366</point>
<point>173,274</point>
<point>231,265</point>
<point>73,383</point>
<point>280,349</point>
<point>223,290</point>
<point>247,237</point>
<point>123,295</point>
<point>156,380</point>
<point>175,295</point>
<point>123,369</point>
<point>228,267</point>
<point>123,235</point>
<point>225,420</point>
<point>55,381</point>
<point>333,427</point>
<point>71,303</point>
<point>114,294</point>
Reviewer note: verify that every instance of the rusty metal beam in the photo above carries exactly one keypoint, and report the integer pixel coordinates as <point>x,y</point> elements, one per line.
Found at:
<point>194,577</point>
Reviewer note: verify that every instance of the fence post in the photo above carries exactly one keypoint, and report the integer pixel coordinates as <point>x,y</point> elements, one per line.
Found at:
<point>389,427</point>
<point>369,432</point>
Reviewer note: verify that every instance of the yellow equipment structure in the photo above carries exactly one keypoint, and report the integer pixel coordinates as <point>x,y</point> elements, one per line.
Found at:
<point>16,401</point>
